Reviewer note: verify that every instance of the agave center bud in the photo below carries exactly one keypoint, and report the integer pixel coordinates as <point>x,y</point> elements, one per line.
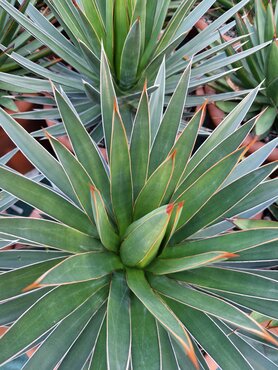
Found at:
<point>143,237</point>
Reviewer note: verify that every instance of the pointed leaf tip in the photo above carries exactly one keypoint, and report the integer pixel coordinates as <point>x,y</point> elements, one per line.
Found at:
<point>32,286</point>
<point>170,208</point>
<point>92,189</point>
<point>180,205</point>
<point>47,134</point>
<point>229,255</point>
<point>173,155</point>
<point>115,106</point>
<point>268,337</point>
<point>145,86</point>
<point>193,358</point>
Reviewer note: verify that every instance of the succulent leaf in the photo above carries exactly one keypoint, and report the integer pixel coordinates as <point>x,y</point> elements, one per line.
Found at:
<point>130,279</point>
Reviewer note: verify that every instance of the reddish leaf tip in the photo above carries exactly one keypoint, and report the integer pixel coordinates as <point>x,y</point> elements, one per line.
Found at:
<point>170,208</point>
<point>32,286</point>
<point>229,255</point>
<point>75,4</point>
<point>192,356</point>
<point>115,106</point>
<point>181,204</point>
<point>92,188</point>
<point>265,335</point>
<point>145,86</point>
<point>173,155</point>
<point>47,134</point>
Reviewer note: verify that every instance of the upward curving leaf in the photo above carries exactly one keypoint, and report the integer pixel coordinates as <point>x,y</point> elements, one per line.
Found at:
<point>46,200</point>
<point>166,137</point>
<point>84,147</point>
<point>120,169</point>
<point>36,154</point>
<point>49,234</point>
<point>140,144</point>
<point>140,287</point>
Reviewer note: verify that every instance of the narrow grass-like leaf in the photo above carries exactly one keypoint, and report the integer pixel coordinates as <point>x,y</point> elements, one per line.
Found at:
<point>49,234</point>
<point>77,175</point>
<point>234,242</point>
<point>153,193</point>
<point>145,345</point>
<point>165,137</point>
<point>205,186</point>
<point>46,200</point>
<point>225,198</point>
<point>131,56</point>
<point>120,168</point>
<point>14,258</point>
<point>157,101</point>
<point>107,92</point>
<point>66,333</point>
<point>120,31</point>
<point>70,297</point>
<point>225,129</point>
<point>175,23</point>
<point>36,154</point>
<point>140,287</point>
<point>246,224</point>
<point>106,230</point>
<point>84,343</point>
<point>12,309</point>
<point>184,147</point>
<point>167,354</point>
<point>94,266</point>
<point>223,149</point>
<point>98,361</point>
<point>118,324</point>
<point>140,145</point>
<point>207,304</point>
<point>84,147</point>
<point>231,281</point>
<point>13,282</point>
<point>162,266</point>
<point>229,357</point>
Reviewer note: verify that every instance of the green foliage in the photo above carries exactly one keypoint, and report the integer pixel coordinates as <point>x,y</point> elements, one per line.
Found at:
<point>259,67</point>
<point>13,39</point>
<point>139,264</point>
<point>137,35</point>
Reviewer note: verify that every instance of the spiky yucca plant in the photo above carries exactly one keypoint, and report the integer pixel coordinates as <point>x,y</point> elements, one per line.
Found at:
<point>136,39</point>
<point>122,274</point>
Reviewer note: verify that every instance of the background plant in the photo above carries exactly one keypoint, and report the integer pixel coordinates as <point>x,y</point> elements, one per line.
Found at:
<point>261,66</point>
<point>133,55</point>
<point>13,38</point>
<point>131,266</point>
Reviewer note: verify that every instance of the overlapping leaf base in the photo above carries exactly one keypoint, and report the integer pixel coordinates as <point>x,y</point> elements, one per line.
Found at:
<point>134,267</point>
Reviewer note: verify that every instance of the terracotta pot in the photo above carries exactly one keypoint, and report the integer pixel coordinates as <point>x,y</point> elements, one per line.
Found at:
<point>217,115</point>
<point>18,162</point>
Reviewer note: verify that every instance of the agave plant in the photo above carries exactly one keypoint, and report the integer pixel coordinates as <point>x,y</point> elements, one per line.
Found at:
<point>136,41</point>
<point>12,38</point>
<point>122,272</point>
<point>261,66</point>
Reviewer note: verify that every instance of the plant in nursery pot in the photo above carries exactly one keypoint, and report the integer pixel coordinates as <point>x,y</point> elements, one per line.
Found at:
<point>136,41</point>
<point>261,66</point>
<point>129,266</point>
